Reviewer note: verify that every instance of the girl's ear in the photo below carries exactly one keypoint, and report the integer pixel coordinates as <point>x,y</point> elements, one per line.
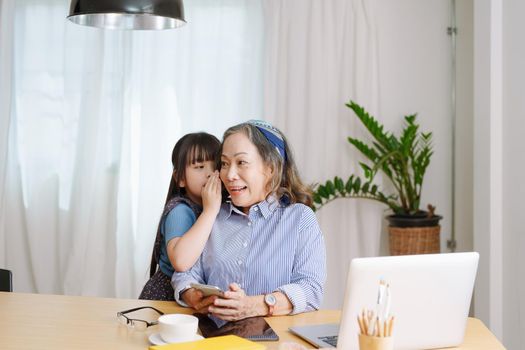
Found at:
<point>181,183</point>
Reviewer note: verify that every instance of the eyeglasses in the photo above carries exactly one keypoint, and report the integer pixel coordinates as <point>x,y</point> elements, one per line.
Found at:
<point>134,323</point>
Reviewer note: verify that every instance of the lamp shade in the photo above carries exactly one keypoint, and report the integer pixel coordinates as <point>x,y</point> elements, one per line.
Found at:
<point>128,14</point>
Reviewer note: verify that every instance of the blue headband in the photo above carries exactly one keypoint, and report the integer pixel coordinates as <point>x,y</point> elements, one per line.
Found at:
<point>271,134</point>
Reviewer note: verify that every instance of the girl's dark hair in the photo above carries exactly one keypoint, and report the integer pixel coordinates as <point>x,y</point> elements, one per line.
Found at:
<point>285,179</point>
<point>190,149</point>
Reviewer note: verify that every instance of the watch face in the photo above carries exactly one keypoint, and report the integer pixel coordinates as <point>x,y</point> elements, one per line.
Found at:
<point>270,299</point>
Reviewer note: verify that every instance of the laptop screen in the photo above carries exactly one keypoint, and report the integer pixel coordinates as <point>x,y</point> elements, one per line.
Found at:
<point>430,297</point>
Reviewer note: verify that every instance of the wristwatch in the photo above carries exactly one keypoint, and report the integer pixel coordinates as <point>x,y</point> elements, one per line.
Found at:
<point>270,301</point>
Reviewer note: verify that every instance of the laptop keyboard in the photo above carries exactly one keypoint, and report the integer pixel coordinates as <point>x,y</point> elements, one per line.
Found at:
<point>332,340</point>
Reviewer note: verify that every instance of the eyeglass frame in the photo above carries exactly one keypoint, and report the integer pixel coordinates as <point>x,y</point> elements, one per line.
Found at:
<point>130,320</point>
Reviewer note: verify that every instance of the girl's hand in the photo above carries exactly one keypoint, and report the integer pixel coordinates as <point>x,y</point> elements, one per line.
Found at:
<point>195,299</point>
<point>211,194</point>
<point>235,305</point>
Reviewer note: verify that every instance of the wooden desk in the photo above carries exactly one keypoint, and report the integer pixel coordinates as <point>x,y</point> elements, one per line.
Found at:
<point>34,321</point>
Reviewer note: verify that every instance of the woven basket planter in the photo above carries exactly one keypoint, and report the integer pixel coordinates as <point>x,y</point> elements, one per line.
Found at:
<point>414,240</point>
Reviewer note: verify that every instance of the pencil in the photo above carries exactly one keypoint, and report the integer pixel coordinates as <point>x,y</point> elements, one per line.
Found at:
<point>363,321</point>
<point>370,315</point>
<point>378,328</point>
<point>391,326</point>
<point>361,326</point>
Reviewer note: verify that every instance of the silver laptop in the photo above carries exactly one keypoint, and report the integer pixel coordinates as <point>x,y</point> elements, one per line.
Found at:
<point>430,299</point>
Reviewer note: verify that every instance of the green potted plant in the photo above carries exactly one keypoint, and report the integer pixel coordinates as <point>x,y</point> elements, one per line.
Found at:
<point>403,160</point>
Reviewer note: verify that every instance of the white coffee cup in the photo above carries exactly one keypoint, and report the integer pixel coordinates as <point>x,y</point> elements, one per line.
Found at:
<point>178,327</point>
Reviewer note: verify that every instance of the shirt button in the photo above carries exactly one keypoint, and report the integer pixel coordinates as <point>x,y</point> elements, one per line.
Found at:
<point>256,209</point>
<point>245,244</point>
<point>239,262</point>
<point>249,223</point>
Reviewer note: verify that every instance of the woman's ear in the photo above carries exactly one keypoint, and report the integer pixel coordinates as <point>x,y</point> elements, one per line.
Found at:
<point>269,173</point>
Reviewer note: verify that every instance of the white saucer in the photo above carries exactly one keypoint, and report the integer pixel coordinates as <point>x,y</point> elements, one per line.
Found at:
<point>155,339</point>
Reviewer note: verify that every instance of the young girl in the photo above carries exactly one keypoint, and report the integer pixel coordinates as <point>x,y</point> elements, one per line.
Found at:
<point>193,201</point>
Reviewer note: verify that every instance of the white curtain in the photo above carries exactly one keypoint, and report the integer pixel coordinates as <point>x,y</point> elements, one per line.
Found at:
<point>319,55</point>
<point>88,119</point>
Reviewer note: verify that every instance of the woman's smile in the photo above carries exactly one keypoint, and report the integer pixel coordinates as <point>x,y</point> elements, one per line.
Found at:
<point>236,190</point>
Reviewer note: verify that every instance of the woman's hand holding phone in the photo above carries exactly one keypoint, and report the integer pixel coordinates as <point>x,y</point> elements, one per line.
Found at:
<point>195,299</point>
<point>236,305</point>
<point>208,289</point>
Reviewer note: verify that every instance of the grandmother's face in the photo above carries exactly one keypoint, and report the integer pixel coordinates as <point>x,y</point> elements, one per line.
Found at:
<point>243,171</point>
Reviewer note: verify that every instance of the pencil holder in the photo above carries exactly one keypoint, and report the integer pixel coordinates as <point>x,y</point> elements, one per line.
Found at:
<point>368,342</point>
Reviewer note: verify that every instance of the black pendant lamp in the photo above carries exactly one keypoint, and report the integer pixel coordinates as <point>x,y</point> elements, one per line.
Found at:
<point>128,14</point>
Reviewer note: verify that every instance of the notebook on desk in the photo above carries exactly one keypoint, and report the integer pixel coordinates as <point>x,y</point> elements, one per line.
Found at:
<point>430,296</point>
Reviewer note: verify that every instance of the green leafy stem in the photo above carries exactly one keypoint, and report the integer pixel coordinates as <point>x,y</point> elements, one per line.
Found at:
<point>402,160</point>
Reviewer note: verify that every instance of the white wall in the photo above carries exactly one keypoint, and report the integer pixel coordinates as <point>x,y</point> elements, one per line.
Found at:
<point>513,174</point>
<point>415,76</point>
<point>499,127</point>
<point>487,162</point>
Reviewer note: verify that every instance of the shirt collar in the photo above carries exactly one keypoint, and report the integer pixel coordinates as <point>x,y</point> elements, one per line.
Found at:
<point>266,207</point>
<point>232,208</point>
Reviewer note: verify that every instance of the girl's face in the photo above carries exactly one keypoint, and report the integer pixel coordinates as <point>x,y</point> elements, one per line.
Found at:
<point>243,171</point>
<point>195,178</point>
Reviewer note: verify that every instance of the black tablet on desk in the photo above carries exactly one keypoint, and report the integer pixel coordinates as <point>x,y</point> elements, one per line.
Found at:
<point>253,328</point>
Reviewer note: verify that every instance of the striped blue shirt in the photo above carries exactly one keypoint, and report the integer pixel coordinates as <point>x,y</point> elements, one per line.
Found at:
<point>273,248</point>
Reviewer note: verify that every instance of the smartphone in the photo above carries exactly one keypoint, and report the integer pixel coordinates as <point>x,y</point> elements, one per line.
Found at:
<point>207,289</point>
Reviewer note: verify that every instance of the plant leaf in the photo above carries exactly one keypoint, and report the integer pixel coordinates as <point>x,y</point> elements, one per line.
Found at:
<point>349,184</point>
<point>357,185</point>
<point>323,192</point>
<point>366,169</point>
<point>330,188</point>
<point>339,185</point>
<point>368,152</point>
<point>371,124</point>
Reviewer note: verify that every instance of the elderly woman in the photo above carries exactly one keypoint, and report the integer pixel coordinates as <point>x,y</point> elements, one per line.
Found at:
<point>265,249</point>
